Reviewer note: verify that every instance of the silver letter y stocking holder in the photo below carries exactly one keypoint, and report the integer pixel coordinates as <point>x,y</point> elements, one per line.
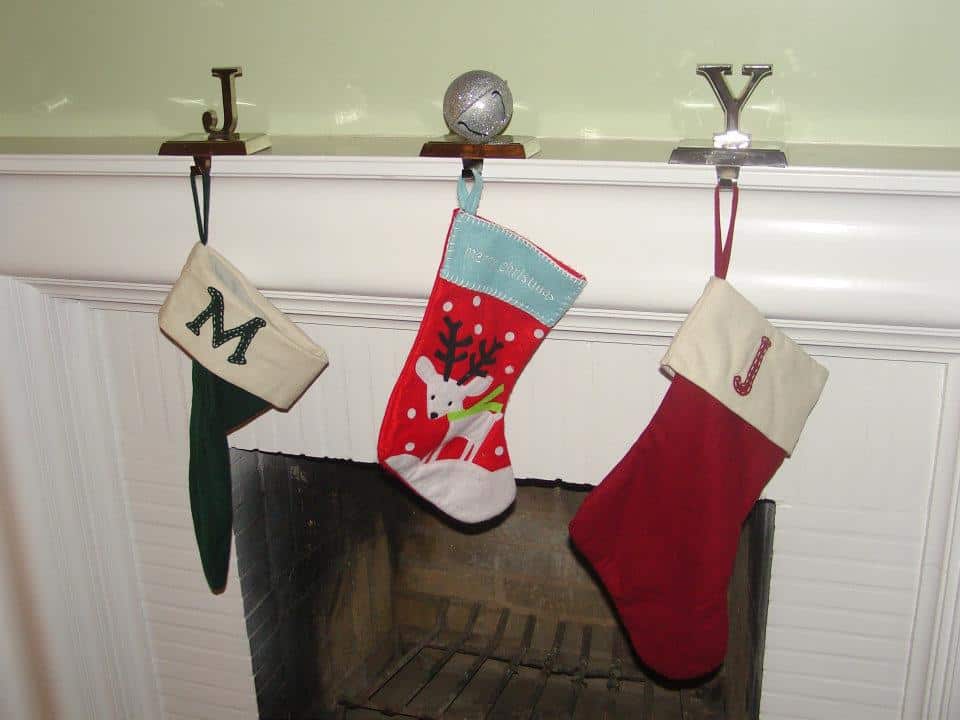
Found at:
<point>732,148</point>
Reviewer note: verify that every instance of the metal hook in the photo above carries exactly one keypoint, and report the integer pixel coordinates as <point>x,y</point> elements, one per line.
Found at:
<point>469,164</point>
<point>728,176</point>
<point>201,165</point>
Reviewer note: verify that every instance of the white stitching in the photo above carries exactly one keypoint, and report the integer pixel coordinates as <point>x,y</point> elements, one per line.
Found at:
<point>566,300</point>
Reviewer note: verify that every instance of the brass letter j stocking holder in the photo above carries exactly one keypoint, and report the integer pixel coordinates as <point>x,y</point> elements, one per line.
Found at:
<point>219,141</point>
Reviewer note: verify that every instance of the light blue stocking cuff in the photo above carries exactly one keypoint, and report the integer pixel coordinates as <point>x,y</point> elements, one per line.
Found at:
<point>489,258</point>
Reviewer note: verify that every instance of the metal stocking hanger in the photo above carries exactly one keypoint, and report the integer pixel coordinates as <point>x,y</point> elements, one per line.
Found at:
<point>733,148</point>
<point>215,141</point>
<point>219,141</point>
<point>729,151</point>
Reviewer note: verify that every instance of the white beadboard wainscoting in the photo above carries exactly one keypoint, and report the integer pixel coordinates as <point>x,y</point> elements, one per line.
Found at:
<point>859,266</point>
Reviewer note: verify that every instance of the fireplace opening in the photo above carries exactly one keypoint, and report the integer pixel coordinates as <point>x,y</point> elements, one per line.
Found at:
<point>363,602</point>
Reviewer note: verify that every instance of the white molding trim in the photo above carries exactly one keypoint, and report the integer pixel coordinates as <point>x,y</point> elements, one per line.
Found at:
<point>597,324</point>
<point>874,257</point>
<point>533,170</point>
<point>929,686</point>
<point>63,466</point>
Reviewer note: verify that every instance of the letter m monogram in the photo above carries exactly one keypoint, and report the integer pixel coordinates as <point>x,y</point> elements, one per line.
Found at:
<point>245,332</point>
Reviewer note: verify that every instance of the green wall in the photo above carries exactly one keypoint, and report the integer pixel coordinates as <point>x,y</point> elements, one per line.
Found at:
<point>845,71</point>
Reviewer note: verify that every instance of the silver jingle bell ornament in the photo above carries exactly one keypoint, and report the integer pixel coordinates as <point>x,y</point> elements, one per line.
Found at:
<point>478,106</point>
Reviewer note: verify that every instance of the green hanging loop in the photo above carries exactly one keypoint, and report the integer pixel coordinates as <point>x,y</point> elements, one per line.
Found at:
<point>201,168</point>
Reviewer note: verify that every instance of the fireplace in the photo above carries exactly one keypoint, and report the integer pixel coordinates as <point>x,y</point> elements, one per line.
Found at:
<point>863,604</point>
<point>362,601</point>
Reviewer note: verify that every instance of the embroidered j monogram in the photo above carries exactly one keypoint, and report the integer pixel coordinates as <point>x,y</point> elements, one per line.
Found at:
<point>744,388</point>
<point>245,332</point>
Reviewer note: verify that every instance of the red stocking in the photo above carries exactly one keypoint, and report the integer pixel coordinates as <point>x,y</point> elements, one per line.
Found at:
<point>661,530</point>
<point>495,298</point>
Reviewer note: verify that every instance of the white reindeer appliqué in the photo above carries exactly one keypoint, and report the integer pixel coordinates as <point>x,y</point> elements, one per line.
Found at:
<point>445,395</point>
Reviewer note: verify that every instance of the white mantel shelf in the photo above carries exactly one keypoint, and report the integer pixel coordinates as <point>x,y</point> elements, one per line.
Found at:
<point>852,251</point>
<point>814,168</point>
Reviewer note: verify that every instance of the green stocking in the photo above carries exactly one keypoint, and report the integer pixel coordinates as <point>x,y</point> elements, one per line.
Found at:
<point>247,357</point>
<point>218,408</point>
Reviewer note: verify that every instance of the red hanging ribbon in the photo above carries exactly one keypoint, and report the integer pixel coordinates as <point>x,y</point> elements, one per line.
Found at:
<point>721,252</point>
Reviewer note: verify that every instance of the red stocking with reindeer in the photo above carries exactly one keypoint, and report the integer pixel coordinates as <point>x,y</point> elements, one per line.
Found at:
<point>495,298</point>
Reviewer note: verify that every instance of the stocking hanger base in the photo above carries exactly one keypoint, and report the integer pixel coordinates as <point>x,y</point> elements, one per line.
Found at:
<point>200,144</point>
<point>690,153</point>
<point>512,147</point>
<point>727,161</point>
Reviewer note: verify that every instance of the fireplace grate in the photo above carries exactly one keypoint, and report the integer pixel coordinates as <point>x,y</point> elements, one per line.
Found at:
<point>363,603</point>
<point>458,670</point>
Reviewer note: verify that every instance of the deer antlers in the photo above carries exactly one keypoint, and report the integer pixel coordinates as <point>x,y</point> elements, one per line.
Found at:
<point>477,363</point>
<point>448,353</point>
